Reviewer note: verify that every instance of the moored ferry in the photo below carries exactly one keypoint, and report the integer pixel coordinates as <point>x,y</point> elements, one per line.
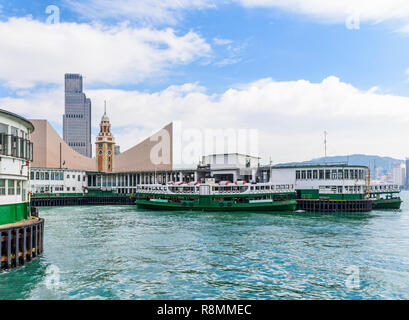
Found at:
<point>223,196</point>
<point>385,196</point>
<point>21,231</point>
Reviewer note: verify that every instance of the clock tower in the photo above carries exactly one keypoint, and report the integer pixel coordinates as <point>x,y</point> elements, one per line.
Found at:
<point>105,145</point>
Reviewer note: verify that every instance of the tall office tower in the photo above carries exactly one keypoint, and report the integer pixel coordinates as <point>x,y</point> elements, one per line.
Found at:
<point>407,172</point>
<point>77,117</point>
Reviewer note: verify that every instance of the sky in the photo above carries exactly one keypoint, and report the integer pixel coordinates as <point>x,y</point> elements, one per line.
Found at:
<point>291,69</point>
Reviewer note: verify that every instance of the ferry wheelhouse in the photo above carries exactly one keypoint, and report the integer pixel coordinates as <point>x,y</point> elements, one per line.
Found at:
<point>384,196</point>
<point>223,196</point>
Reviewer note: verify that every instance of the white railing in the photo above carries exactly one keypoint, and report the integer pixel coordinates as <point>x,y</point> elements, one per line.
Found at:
<point>215,189</point>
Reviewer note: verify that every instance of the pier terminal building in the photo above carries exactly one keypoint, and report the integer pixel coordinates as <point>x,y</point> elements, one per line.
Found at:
<point>58,169</point>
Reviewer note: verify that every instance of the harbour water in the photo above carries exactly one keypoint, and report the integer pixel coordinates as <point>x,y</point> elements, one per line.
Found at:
<point>120,252</point>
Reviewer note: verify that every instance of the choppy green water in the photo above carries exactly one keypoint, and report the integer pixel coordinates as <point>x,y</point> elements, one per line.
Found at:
<point>122,253</point>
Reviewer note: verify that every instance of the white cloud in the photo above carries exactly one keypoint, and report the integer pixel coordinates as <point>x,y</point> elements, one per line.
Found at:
<point>339,10</point>
<point>144,11</point>
<point>222,42</point>
<point>290,116</point>
<point>32,52</point>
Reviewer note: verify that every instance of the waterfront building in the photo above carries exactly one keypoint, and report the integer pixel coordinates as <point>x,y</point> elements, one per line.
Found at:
<point>313,181</point>
<point>326,188</point>
<point>58,182</point>
<point>398,174</point>
<point>105,146</point>
<point>231,166</point>
<point>407,173</point>
<point>20,232</point>
<point>77,117</point>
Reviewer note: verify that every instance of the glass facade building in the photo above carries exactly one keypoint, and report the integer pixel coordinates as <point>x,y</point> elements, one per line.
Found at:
<point>77,117</point>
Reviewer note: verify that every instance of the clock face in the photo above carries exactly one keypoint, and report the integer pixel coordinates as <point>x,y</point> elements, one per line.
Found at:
<point>100,152</point>
<point>109,152</point>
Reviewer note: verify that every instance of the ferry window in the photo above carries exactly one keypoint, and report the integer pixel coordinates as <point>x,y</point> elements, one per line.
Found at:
<point>303,174</point>
<point>68,176</point>
<point>340,174</point>
<point>361,174</point>
<point>315,174</point>
<point>2,187</point>
<point>68,188</point>
<point>47,176</point>
<point>37,176</point>
<point>18,187</point>
<point>309,174</point>
<point>327,174</point>
<point>73,176</point>
<point>42,176</point>
<point>11,187</point>
<point>73,188</point>
<point>298,175</point>
<point>321,174</point>
<point>79,178</point>
<point>346,176</point>
<point>32,175</point>
<point>356,174</point>
<point>334,174</point>
<point>14,131</point>
<point>52,176</point>
<point>4,128</point>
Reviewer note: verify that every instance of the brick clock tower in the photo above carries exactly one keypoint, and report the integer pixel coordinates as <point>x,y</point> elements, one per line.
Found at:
<point>105,146</point>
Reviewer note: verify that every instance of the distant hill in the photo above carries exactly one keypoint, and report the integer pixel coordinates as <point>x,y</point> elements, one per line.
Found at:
<point>383,164</point>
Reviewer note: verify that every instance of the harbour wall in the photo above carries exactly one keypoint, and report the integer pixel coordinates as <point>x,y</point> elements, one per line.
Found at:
<point>21,242</point>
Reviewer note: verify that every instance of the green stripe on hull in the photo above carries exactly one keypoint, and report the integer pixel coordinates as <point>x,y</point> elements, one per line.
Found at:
<point>11,213</point>
<point>288,205</point>
<point>386,204</point>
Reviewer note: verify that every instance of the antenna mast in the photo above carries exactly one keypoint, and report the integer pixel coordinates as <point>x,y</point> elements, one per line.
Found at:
<point>105,107</point>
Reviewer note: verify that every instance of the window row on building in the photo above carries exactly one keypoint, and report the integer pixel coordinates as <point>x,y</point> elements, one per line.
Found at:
<point>14,146</point>
<point>75,116</point>
<point>9,187</point>
<point>54,176</point>
<point>334,174</point>
<point>53,189</point>
<point>76,144</point>
<point>4,128</point>
<point>341,189</point>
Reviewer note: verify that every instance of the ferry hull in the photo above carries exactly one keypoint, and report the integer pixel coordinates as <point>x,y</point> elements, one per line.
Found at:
<point>386,204</point>
<point>288,205</point>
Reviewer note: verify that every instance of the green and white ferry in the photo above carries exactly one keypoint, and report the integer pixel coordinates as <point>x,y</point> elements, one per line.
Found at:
<point>21,231</point>
<point>222,196</point>
<point>385,196</point>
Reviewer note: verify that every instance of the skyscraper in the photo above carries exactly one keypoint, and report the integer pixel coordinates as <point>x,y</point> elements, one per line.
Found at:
<point>407,172</point>
<point>77,117</point>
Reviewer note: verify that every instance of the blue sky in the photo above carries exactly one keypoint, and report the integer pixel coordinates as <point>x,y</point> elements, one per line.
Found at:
<point>268,43</point>
<point>218,47</point>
